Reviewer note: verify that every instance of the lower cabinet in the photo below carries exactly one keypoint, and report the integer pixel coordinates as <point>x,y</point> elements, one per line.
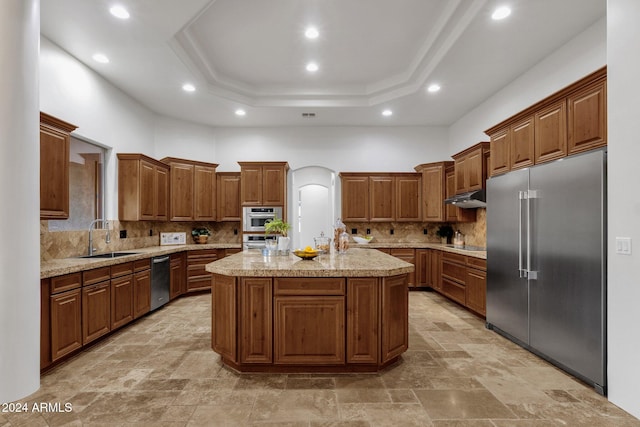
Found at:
<point>255,320</point>
<point>66,315</point>
<point>476,285</point>
<point>464,280</point>
<point>362,320</point>
<point>141,288</point>
<point>394,314</point>
<point>422,268</point>
<point>434,267</point>
<point>408,255</point>
<point>454,274</point>
<point>96,311</point>
<point>224,323</point>
<point>121,301</point>
<point>199,279</point>
<point>178,275</point>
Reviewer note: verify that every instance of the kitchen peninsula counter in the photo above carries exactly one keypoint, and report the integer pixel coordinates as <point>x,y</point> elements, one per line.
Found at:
<point>336,313</point>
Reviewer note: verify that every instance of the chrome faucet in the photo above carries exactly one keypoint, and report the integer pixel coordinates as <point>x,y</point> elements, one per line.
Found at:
<point>107,237</point>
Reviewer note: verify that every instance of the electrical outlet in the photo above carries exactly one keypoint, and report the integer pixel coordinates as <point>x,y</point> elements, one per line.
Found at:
<point>391,231</point>
<point>235,231</point>
<point>368,231</point>
<point>354,231</point>
<point>151,232</point>
<point>424,231</point>
<point>123,234</point>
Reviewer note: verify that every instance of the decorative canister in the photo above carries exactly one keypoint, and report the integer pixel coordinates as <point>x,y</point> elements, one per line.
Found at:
<point>338,229</point>
<point>323,244</point>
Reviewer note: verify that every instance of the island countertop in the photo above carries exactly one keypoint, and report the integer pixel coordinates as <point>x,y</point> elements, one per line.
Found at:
<point>357,262</point>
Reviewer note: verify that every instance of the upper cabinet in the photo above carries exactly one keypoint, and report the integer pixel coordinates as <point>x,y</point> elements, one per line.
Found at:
<point>55,140</point>
<point>470,168</point>
<point>192,190</point>
<point>263,183</point>
<point>570,121</point>
<point>452,212</point>
<point>381,197</point>
<point>228,189</point>
<point>143,188</point>
<point>433,190</point>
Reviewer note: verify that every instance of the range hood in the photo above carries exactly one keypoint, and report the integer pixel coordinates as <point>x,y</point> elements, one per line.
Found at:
<point>470,200</point>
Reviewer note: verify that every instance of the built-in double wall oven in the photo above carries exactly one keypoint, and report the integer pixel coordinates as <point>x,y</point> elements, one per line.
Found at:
<point>255,217</point>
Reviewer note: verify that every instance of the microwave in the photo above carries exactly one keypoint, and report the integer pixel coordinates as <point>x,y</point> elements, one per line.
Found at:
<point>256,241</point>
<point>255,217</point>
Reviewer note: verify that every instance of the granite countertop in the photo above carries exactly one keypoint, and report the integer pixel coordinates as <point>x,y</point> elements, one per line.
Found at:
<point>357,262</point>
<point>58,267</point>
<point>472,251</point>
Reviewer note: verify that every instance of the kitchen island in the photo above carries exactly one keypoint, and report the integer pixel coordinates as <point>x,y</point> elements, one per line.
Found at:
<point>336,313</point>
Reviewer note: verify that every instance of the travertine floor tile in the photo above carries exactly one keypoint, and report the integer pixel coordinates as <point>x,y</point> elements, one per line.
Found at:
<point>161,371</point>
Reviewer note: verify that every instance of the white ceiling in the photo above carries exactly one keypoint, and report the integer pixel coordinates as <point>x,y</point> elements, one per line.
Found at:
<point>372,54</point>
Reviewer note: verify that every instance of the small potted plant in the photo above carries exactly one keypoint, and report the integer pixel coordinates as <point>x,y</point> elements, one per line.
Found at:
<point>200,234</point>
<point>281,227</point>
<point>445,232</point>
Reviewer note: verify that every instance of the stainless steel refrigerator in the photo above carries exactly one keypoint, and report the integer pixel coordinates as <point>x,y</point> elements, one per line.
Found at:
<point>546,262</point>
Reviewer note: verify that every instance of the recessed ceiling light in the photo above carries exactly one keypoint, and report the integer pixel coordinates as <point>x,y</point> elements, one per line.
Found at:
<point>500,13</point>
<point>119,12</point>
<point>240,112</point>
<point>101,58</point>
<point>188,87</point>
<point>312,67</point>
<point>387,113</point>
<point>433,88</point>
<point>311,33</point>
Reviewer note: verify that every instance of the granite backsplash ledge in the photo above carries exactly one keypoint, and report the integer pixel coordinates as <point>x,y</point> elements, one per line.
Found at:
<point>140,234</point>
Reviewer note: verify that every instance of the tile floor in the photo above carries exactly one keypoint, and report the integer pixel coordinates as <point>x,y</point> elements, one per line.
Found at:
<point>161,371</point>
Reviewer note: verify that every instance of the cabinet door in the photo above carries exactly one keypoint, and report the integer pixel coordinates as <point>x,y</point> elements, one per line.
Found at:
<point>435,269</point>
<point>148,189</point>
<point>453,213</point>
<point>141,293</point>
<point>96,311</point>
<point>205,193</point>
<point>382,200</point>
<point>362,320</point>
<point>181,192</point>
<point>66,330</point>
<point>54,173</point>
<point>223,316</point>
<point>522,143</point>
<point>355,198</point>
<point>309,330</point>
<point>500,155</point>
<point>251,185</point>
<point>551,133</point>
<point>408,198</point>
<point>161,194</point>
<point>228,190</point>
<point>474,171</point>
<point>588,118</point>
<point>433,196</point>
<point>460,175</point>
<point>407,255</point>
<point>198,278</point>
<point>476,290</point>
<point>274,180</point>
<point>256,339</point>
<point>178,276</point>
<point>121,301</point>
<point>422,268</point>
<point>395,317</point>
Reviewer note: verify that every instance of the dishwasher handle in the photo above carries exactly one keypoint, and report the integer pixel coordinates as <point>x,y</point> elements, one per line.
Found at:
<point>160,260</point>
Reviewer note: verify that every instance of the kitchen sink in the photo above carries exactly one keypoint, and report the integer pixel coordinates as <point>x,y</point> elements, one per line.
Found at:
<point>109,255</point>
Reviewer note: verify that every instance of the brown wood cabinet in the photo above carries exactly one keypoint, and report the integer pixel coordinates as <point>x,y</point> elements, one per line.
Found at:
<point>256,339</point>
<point>452,212</point>
<point>355,197</point>
<point>476,285</point>
<point>224,323</point>
<point>434,190</point>
<point>96,311</point>
<point>362,320</point>
<point>178,275</point>
<point>381,197</point>
<point>198,278</point>
<point>434,274</point>
<point>192,190</point>
<point>464,280</point>
<point>470,168</point>
<point>55,140</point>
<point>141,288</point>
<point>121,301</point>
<point>143,188</point>
<point>422,268</point>
<point>65,324</point>
<point>569,121</point>
<point>228,189</point>
<point>394,314</point>
<point>407,255</point>
<point>263,183</point>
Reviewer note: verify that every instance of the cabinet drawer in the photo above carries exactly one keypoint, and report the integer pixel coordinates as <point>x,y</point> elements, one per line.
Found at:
<point>479,263</point>
<point>122,269</point>
<point>454,290</point>
<point>66,282</point>
<point>142,264</point>
<point>454,271</point>
<point>309,286</point>
<point>96,275</point>
<point>457,258</point>
<point>204,254</point>
<point>402,252</point>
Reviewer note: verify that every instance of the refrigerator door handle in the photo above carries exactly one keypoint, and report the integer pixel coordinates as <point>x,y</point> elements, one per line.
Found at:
<point>530,195</point>
<point>521,272</point>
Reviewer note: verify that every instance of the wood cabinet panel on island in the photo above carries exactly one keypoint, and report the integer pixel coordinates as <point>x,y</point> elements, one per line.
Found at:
<point>143,188</point>
<point>55,141</point>
<point>192,190</point>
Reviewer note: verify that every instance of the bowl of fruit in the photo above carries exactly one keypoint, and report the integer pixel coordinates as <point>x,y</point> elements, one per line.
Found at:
<point>307,253</point>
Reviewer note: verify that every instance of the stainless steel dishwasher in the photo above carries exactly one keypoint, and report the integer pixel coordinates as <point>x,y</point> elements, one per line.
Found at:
<point>160,281</point>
